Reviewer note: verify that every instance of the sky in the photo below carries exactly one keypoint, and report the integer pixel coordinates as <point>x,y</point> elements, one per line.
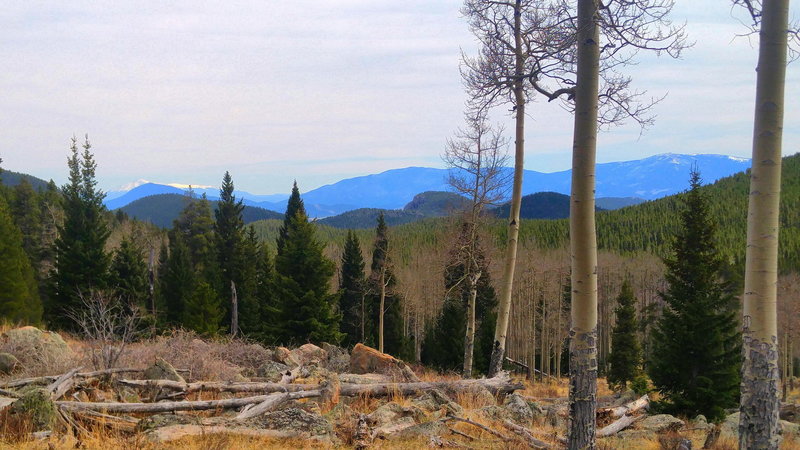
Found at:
<point>273,91</point>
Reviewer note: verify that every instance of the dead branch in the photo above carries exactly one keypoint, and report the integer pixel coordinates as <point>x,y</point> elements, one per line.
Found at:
<point>619,425</point>
<point>62,384</point>
<point>479,425</point>
<point>629,408</point>
<point>526,434</point>
<point>217,386</point>
<point>273,401</point>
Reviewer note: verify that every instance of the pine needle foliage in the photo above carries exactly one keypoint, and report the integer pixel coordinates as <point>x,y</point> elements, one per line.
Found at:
<point>626,351</point>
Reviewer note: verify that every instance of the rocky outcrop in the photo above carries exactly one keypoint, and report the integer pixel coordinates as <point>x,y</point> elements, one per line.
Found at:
<point>309,354</point>
<point>32,346</point>
<point>8,363</point>
<point>661,423</point>
<point>162,370</point>
<point>365,359</point>
<point>272,371</point>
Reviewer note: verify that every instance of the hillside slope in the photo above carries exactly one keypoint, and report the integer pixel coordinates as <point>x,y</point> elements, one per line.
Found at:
<point>162,209</point>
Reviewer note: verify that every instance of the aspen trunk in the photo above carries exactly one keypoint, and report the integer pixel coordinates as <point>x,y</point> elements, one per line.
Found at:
<point>469,340</point>
<point>504,309</point>
<point>583,241</point>
<point>760,402</point>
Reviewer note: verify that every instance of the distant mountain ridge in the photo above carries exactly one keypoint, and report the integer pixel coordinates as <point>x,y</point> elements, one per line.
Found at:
<point>649,178</point>
<point>162,209</point>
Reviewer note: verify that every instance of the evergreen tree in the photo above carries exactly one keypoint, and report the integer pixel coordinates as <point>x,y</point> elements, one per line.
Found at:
<point>443,346</point>
<point>626,353</point>
<point>129,275</point>
<point>203,313</point>
<point>19,296</point>
<point>302,284</point>
<point>250,321</point>
<point>177,280</point>
<point>81,260</point>
<point>229,235</point>
<point>27,215</point>
<point>382,281</point>
<point>696,345</point>
<point>293,207</point>
<point>268,311</point>
<point>352,291</point>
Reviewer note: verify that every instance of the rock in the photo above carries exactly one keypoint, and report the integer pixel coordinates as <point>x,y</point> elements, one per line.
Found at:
<point>436,400</point>
<point>432,428</point>
<point>162,370</point>
<point>293,420</point>
<point>165,420</point>
<point>392,412</point>
<point>365,359</point>
<point>537,410</point>
<point>553,418</point>
<point>518,409</point>
<point>789,428</point>
<point>31,345</point>
<point>308,354</point>
<point>284,356</point>
<point>8,363</point>
<point>729,429</point>
<point>338,358</point>
<point>674,442</point>
<point>272,371</point>
<point>480,396</point>
<point>637,435</point>
<point>494,412</point>
<point>661,423</point>
<point>341,413</point>
<point>36,408</point>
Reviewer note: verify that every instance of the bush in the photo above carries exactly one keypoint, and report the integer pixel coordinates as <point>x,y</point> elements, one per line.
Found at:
<point>641,385</point>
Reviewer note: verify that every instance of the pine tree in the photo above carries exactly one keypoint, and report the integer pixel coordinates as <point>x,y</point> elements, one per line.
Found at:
<point>302,284</point>
<point>129,275</point>
<point>250,320</point>
<point>177,280</point>
<point>203,313</point>
<point>229,235</point>
<point>268,311</point>
<point>27,215</point>
<point>626,353</point>
<point>19,296</point>
<point>382,284</point>
<point>293,207</point>
<point>352,292</point>
<point>696,345</point>
<point>81,260</point>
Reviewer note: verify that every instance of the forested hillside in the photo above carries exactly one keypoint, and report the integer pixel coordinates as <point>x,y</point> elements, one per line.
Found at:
<point>162,209</point>
<point>11,179</point>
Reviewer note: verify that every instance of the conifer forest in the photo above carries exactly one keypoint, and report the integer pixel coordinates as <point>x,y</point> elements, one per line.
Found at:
<point>479,317</point>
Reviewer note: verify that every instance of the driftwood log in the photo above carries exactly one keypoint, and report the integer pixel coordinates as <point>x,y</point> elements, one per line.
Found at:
<point>161,407</point>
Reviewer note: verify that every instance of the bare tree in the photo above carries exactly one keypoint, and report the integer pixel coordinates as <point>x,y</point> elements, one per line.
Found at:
<point>108,325</point>
<point>760,398</point>
<point>476,157</point>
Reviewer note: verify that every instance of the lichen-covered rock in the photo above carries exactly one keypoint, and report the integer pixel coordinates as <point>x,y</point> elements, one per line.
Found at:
<point>162,370</point>
<point>480,396</point>
<point>338,358</point>
<point>432,428</point>
<point>518,409</point>
<point>661,423</point>
<point>8,363</point>
<point>284,356</point>
<point>165,420</point>
<point>308,354</point>
<point>32,346</point>
<point>293,420</point>
<point>272,371</point>
<point>494,412</point>
<point>789,428</point>
<point>729,429</point>
<point>35,407</point>
<point>436,400</point>
<point>391,412</point>
<point>365,359</point>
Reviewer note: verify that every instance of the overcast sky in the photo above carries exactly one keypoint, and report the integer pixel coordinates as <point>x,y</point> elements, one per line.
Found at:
<point>316,90</point>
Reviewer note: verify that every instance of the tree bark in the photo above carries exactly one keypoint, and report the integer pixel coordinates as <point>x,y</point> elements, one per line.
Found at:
<point>760,401</point>
<point>381,311</point>
<point>469,341</point>
<point>504,309</point>
<point>583,241</point>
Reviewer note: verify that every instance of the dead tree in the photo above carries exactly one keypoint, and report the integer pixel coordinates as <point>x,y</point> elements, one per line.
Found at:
<point>476,158</point>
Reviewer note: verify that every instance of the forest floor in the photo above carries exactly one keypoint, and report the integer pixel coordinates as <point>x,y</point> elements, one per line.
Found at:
<point>236,361</point>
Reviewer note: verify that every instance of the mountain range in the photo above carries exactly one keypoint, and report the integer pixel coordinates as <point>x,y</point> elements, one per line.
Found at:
<point>629,182</point>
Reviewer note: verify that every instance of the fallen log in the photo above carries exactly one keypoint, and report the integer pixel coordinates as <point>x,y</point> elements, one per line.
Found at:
<point>499,384</point>
<point>526,434</point>
<point>199,405</point>
<point>6,393</point>
<point>174,432</point>
<point>617,426</point>
<point>479,425</point>
<point>47,379</point>
<point>62,384</point>
<point>217,386</point>
<point>273,401</point>
<point>628,408</point>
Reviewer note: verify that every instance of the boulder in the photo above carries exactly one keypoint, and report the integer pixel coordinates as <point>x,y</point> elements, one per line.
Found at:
<point>162,370</point>
<point>428,429</point>
<point>272,371</point>
<point>661,423</point>
<point>8,363</point>
<point>480,396</point>
<point>789,428</point>
<point>436,400</point>
<point>674,442</point>
<point>518,409</point>
<point>284,356</point>
<point>32,346</point>
<point>293,420</point>
<point>393,412</point>
<point>729,429</point>
<point>35,407</point>
<point>338,358</point>
<point>365,359</point>
<point>309,354</point>
<point>166,420</point>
